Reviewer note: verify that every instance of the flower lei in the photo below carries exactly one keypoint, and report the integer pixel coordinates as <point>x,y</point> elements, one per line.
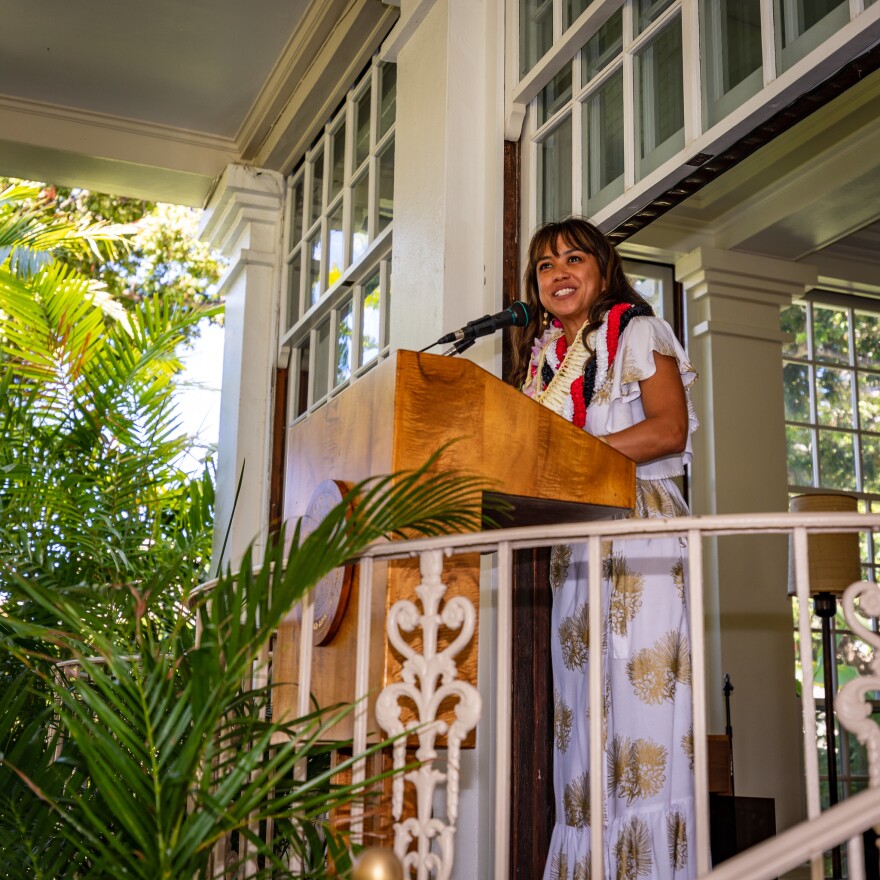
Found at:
<point>564,378</point>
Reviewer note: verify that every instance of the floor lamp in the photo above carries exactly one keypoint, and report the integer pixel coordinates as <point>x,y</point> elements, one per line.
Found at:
<point>834,563</point>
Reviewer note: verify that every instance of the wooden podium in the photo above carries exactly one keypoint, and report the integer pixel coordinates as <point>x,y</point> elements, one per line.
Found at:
<point>391,420</point>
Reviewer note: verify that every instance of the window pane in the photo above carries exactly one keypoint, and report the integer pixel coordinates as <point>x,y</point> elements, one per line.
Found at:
<point>334,251</point>
<point>296,214</point>
<point>370,320</point>
<point>388,309</point>
<point>793,320</point>
<point>800,456</point>
<point>535,32</point>
<point>871,472</point>
<point>660,98</point>
<point>337,162</point>
<point>603,47</point>
<point>387,97</point>
<point>343,343</point>
<point>362,129</point>
<point>796,378</point>
<point>322,360</point>
<point>796,18</point>
<point>555,95</point>
<point>652,291</point>
<point>294,274</point>
<point>732,52</point>
<point>647,11</point>
<point>302,397</point>
<point>313,281</point>
<point>830,334</point>
<point>834,397</point>
<point>360,209</point>
<point>603,143</point>
<point>869,401</point>
<point>385,188</point>
<point>571,9</point>
<point>867,329</point>
<point>554,174</point>
<point>317,188</point>
<point>837,466</point>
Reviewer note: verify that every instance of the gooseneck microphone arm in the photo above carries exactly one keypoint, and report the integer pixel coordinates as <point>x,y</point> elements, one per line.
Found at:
<point>515,315</point>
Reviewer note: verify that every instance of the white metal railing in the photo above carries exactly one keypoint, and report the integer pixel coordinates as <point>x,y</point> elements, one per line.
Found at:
<point>428,676</point>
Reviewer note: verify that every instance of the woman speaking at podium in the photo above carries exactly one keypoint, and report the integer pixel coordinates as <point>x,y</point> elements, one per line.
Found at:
<point>595,354</point>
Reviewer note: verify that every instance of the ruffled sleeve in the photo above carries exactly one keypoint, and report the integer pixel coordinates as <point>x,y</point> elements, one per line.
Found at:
<point>617,404</point>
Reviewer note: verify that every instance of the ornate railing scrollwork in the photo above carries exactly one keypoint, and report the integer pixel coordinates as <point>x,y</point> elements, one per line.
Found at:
<point>852,701</point>
<point>429,678</point>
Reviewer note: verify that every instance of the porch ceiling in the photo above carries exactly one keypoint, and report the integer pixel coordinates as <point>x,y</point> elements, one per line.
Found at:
<point>154,98</point>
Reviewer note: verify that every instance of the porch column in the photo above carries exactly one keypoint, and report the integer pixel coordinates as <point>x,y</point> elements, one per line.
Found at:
<point>243,221</point>
<point>733,303</point>
<point>448,170</point>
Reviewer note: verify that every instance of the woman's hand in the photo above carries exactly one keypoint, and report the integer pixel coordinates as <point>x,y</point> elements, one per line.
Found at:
<point>665,428</point>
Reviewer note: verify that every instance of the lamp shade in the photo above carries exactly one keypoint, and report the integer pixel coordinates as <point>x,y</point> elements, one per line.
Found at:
<point>835,561</point>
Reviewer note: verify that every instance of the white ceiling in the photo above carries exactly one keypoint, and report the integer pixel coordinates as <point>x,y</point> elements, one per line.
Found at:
<point>189,64</point>
<point>153,98</point>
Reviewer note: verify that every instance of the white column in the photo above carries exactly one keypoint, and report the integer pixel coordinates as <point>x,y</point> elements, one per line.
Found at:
<point>448,169</point>
<point>243,221</point>
<point>733,303</point>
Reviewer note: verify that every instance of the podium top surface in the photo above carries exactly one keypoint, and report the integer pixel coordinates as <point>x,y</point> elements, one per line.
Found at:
<point>413,404</point>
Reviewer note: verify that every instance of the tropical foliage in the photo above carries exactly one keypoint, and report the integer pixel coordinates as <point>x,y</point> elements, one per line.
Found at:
<point>163,752</point>
<point>131,739</point>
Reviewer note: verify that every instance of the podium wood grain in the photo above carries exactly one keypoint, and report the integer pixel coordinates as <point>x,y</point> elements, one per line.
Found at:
<point>393,419</point>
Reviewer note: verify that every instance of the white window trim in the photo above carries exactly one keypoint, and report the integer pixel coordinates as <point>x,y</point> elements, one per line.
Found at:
<point>310,317</point>
<point>862,30</point>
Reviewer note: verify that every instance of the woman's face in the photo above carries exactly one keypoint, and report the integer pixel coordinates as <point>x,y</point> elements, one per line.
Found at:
<point>568,284</point>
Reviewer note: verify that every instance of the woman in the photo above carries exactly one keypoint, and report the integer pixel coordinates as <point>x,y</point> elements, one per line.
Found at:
<point>605,363</point>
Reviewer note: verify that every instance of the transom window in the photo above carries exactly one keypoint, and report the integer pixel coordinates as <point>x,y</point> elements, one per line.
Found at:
<point>338,227</point>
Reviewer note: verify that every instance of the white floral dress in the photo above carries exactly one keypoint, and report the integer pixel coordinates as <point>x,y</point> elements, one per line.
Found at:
<point>648,729</point>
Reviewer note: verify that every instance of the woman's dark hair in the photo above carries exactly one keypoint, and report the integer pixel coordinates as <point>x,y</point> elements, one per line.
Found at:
<point>583,235</point>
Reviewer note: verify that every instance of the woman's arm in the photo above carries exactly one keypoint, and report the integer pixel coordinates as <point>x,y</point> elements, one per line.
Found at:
<point>665,428</point>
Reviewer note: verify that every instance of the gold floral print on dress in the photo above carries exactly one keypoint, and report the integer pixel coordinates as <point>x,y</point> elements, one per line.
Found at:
<point>560,560</point>
<point>636,769</point>
<point>576,801</point>
<point>574,637</point>
<point>633,850</point>
<point>563,719</point>
<point>626,592</point>
<point>676,830</point>
<point>654,672</point>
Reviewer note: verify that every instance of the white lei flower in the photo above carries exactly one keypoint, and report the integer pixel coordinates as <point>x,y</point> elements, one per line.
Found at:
<point>557,395</point>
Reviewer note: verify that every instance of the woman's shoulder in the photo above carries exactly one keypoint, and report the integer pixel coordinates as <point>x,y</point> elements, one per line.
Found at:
<point>650,333</point>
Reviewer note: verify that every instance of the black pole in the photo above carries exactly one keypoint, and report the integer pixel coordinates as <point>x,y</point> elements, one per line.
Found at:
<point>825,606</point>
<point>728,730</point>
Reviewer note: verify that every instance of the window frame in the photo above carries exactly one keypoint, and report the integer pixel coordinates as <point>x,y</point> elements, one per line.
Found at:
<point>304,315</point>
<point>703,134</point>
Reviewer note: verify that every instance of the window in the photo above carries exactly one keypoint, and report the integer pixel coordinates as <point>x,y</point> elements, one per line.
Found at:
<point>832,396</point>
<point>610,88</point>
<point>656,283</point>
<point>338,229</point>
<point>831,374</point>
<point>804,24</point>
<point>731,62</point>
<point>660,98</point>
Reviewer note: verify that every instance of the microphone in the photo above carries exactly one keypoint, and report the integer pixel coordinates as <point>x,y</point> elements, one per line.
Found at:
<point>515,315</point>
